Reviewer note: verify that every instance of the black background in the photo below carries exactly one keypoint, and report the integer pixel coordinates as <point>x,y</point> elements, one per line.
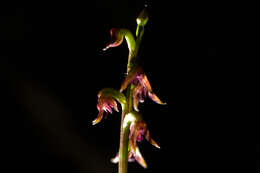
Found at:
<point>52,66</point>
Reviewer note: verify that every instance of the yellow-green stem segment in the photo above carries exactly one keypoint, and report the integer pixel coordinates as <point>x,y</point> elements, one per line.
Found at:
<point>123,150</point>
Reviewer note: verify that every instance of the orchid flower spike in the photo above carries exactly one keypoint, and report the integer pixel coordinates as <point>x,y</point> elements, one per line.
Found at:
<point>142,86</point>
<point>106,102</point>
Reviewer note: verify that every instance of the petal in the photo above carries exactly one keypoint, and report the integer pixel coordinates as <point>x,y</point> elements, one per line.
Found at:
<point>115,107</point>
<point>115,159</point>
<point>112,103</point>
<point>145,82</point>
<point>100,104</point>
<point>155,98</point>
<point>99,117</point>
<point>139,158</point>
<point>136,99</point>
<point>132,137</point>
<point>142,95</point>
<point>107,108</point>
<point>148,138</point>
<point>135,104</point>
<point>131,158</point>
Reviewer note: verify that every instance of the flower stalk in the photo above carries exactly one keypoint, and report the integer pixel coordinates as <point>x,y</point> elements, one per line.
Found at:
<point>123,150</point>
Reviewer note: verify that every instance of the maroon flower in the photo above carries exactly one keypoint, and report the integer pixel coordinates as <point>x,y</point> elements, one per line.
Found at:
<point>142,86</point>
<point>138,130</point>
<point>105,103</point>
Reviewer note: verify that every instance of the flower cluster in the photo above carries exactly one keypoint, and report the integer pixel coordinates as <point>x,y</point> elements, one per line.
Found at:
<point>142,86</point>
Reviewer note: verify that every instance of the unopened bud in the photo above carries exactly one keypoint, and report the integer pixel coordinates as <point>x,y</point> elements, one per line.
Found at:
<point>142,19</point>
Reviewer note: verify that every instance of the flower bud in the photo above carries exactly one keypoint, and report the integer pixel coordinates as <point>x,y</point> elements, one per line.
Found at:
<point>142,19</point>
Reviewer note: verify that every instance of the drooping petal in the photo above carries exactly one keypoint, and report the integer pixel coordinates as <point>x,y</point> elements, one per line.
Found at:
<point>112,103</point>
<point>132,137</point>
<point>139,158</point>
<point>139,94</point>
<point>136,96</point>
<point>107,108</point>
<point>155,98</point>
<point>145,82</point>
<point>99,117</point>
<point>116,38</point>
<point>148,138</point>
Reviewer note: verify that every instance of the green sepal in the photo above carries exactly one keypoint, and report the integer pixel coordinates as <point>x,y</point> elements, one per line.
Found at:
<point>110,92</point>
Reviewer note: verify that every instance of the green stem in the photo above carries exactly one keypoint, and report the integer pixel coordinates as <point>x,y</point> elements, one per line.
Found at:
<point>138,40</point>
<point>131,46</point>
<point>123,151</point>
<point>129,97</point>
<point>133,56</point>
<point>124,132</point>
